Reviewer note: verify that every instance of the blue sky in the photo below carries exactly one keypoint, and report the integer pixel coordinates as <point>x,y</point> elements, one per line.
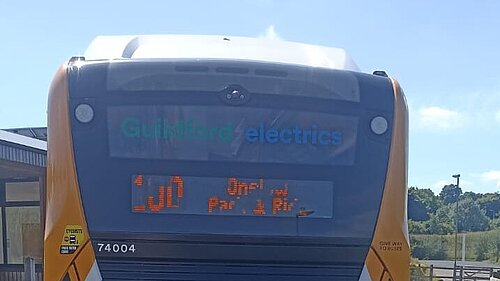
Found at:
<point>444,53</point>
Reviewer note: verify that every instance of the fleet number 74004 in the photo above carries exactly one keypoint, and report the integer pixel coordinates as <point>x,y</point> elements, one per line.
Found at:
<point>116,248</point>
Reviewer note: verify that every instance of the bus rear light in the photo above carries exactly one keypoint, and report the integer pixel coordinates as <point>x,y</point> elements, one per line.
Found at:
<point>84,113</point>
<point>379,125</point>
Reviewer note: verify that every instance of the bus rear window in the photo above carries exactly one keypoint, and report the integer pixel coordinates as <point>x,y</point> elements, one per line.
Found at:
<point>222,133</point>
<point>215,76</point>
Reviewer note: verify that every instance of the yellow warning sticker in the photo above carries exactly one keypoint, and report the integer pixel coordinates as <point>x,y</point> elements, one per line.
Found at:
<point>72,238</point>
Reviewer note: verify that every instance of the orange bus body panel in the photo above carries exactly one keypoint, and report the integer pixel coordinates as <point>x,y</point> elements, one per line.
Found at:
<point>63,204</point>
<point>390,250</point>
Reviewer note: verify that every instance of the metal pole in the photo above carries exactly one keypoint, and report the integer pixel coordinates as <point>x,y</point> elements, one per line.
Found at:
<point>29,269</point>
<point>456,228</point>
<point>456,233</point>
<point>463,246</point>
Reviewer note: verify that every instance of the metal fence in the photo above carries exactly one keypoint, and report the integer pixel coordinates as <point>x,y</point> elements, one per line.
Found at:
<point>29,271</point>
<point>460,273</point>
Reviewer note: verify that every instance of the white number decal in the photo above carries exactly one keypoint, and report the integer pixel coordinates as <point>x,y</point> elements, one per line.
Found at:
<point>116,248</point>
<point>131,248</point>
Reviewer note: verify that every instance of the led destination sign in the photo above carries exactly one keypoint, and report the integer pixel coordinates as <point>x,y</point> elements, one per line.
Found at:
<point>231,196</point>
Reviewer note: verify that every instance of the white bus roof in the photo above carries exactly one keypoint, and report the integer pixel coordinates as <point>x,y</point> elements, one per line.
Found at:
<point>217,47</point>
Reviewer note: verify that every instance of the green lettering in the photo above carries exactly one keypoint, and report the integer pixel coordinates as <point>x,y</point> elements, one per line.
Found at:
<point>226,133</point>
<point>131,127</point>
<point>200,133</point>
<point>212,133</point>
<point>168,132</point>
<point>189,130</point>
<point>180,130</point>
<point>148,131</point>
<point>158,128</point>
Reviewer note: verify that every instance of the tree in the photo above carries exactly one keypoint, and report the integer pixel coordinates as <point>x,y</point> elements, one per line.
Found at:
<point>450,193</point>
<point>471,195</point>
<point>417,227</point>
<point>471,217</point>
<point>442,221</point>
<point>490,203</point>
<point>495,223</point>
<point>421,203</point>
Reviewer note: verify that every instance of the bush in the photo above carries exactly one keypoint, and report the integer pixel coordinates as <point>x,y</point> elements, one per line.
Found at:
<point>495,242</point>
<point>429,247</point>
<point>418,271</point>
<point>417,227</point>
<point>479,246</point>
<point>482,247</point>
<point>495,223</point>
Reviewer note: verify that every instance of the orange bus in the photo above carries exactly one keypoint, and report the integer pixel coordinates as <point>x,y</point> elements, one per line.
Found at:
<point>177,157</point>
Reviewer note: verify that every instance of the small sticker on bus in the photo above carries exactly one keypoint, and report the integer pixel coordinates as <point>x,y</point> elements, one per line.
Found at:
<point>72,238</point>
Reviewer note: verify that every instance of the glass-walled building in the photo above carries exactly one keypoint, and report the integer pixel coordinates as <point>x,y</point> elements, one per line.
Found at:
<point>22,180</point>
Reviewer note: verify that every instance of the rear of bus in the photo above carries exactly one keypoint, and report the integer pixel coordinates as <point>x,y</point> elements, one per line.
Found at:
<point>210,158</point>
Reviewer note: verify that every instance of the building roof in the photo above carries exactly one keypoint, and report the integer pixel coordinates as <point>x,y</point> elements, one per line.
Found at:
<point>20,138</point>
<point>21,156</point>
<point>32,132</point>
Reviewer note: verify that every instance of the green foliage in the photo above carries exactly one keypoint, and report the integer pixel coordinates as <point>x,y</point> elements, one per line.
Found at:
<point>479,246</point>
<point>482,247</point>
<point>495,223</point>
<point>418,271</point>
<point>442,221</point>
<point>471,217</point>
<point>471,195</point>
<point>495,245</point>
<point>450,193</point>
<point>428,213</point>
<point>432,222</point>
<point>421,203</point>
<point>490,203</point>
<point>417,227</point>
<point>429,246</point>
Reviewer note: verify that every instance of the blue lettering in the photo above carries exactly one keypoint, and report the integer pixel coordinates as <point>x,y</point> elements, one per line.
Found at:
<point>323,137</point>
<point>251,135</point>
<point>314,135</point>
<point>297,135</point>
<point>272,135</point>
<point>305,136</point>
<point>261,132</point>
<point>286,139</point>
<point>336,137</point>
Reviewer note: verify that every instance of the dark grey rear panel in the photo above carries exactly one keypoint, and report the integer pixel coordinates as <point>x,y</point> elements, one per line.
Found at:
<point>331,246</point>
